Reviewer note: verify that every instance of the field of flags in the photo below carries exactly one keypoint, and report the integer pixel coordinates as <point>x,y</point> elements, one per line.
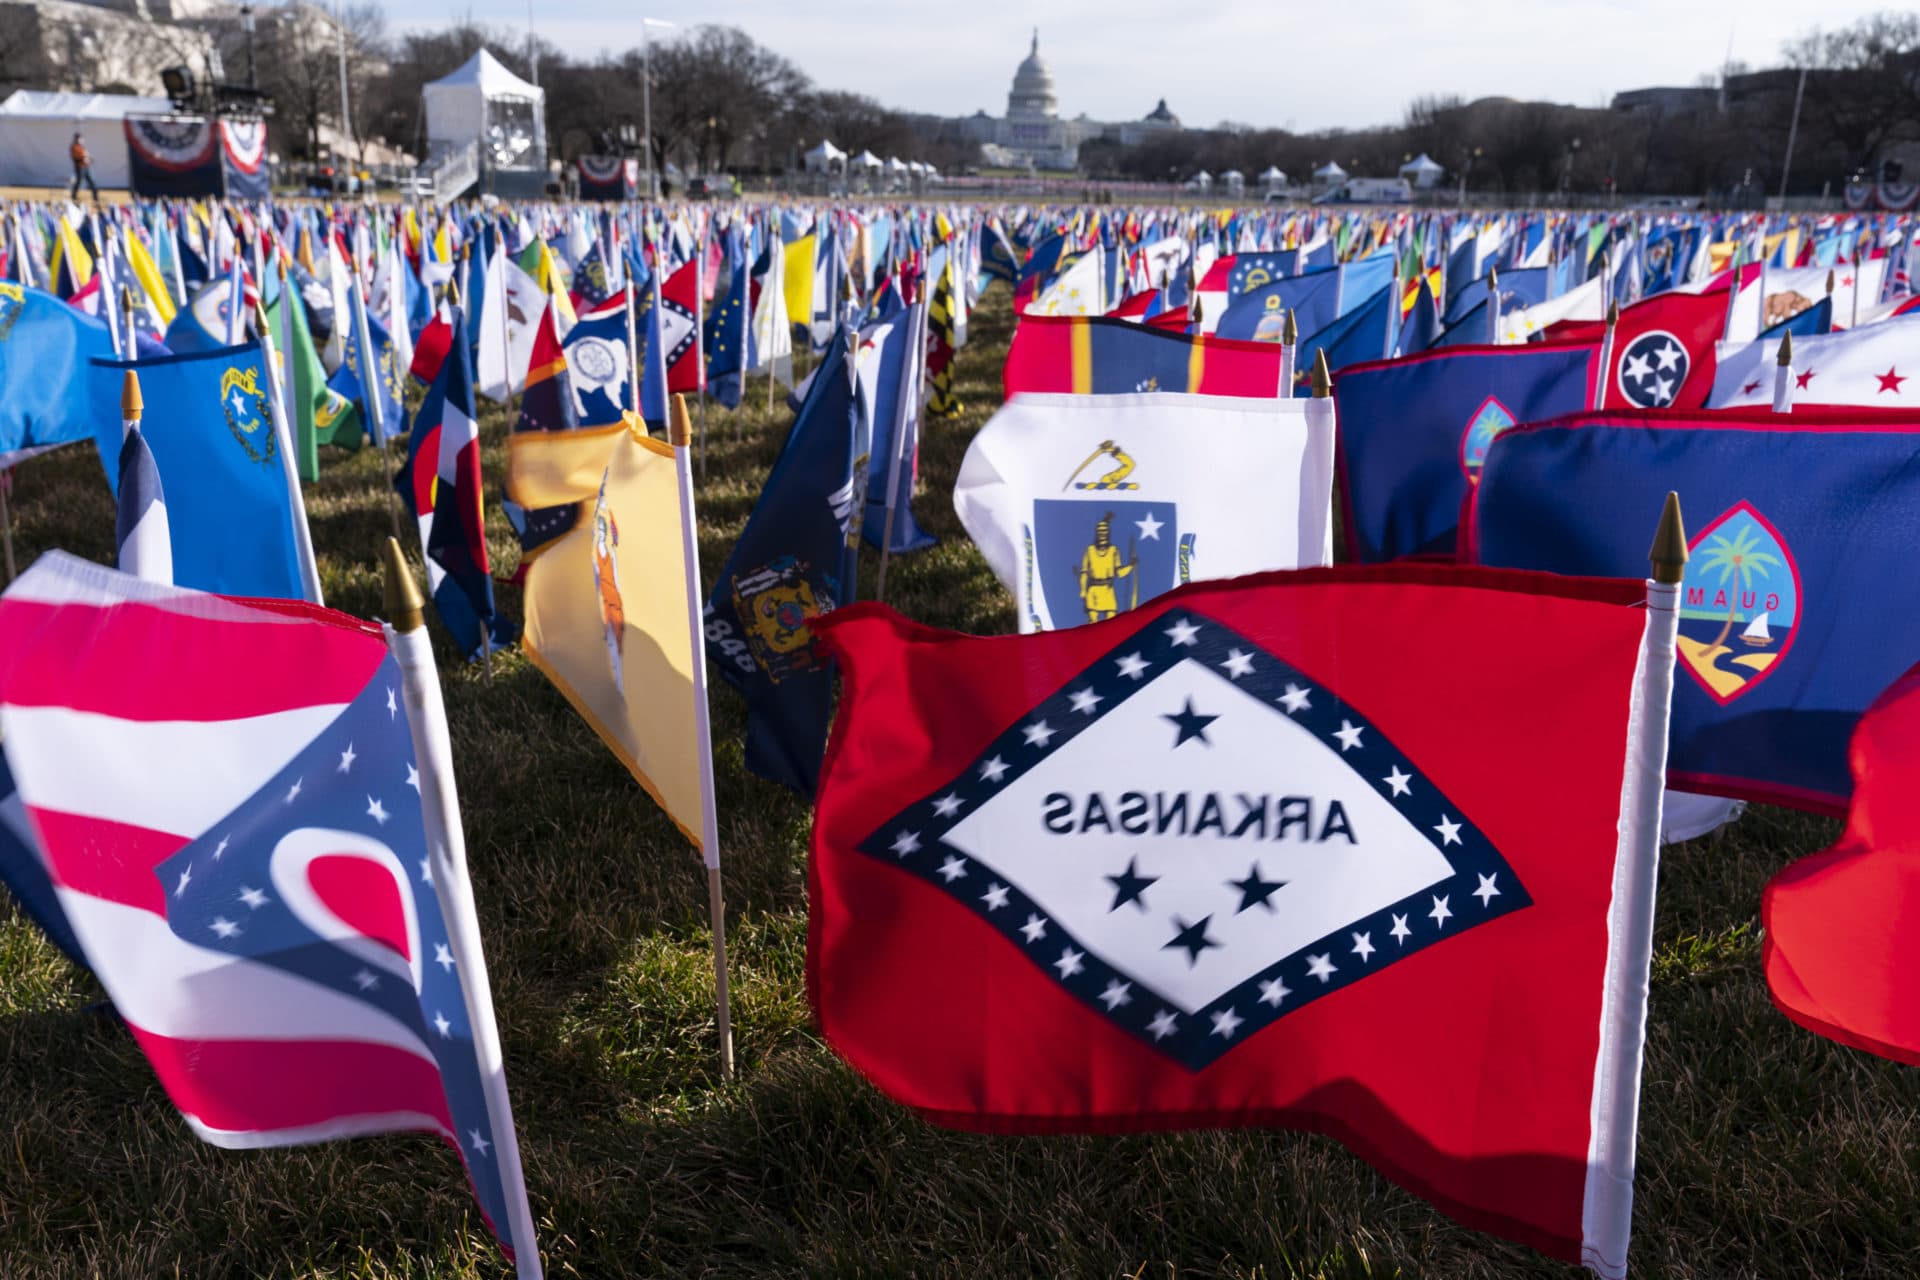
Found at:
<point>1392,675</point>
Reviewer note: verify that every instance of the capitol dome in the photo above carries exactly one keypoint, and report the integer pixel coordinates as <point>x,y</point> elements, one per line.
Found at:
<point>1032,93</point>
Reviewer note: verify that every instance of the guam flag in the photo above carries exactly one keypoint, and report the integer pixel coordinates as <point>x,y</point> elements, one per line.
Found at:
<point>1100,355</point>
<point>1414,433</point>
<point>1798,606</point>
<point>1233,860</point>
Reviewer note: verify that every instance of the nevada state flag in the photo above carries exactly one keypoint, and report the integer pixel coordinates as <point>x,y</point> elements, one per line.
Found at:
<point>1240,858</point>
<point>1091,506</point>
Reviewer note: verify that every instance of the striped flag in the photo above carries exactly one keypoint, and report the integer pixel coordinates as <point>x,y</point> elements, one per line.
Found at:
<point>941,402</point>
<point>241,852</point>
<point>140,532</point>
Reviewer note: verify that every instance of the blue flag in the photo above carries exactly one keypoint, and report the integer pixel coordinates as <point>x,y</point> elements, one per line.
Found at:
<point>210,428</point>
<point>726,334</point>
<point>598,362</point>
<point>1254,270</point>
<point>45,346</point>
<point>794,560</point>
<point>1518,288</point>
<point>1359,335</point>
<point>1797,606</point>
<point>1414,433</point>
<point>1804,323</point>
<point>889,345</point>
<point>390,383</point>
<point>1259,313</point>
<point>1420,330</point>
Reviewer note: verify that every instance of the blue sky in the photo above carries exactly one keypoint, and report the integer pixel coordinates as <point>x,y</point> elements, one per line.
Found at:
<point>1261,62</point>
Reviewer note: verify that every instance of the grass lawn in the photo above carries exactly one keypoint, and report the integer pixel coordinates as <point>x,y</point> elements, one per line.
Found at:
<point>1764,1150</point>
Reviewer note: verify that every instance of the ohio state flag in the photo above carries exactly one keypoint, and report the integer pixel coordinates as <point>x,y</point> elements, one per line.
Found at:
<point>1250,855</point>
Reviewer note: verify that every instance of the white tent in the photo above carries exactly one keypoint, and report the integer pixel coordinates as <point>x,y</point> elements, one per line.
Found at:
<point>1422,172</point>
<point>1234,180</point>
<point>825,158</point>
<point>1201,181</point>
<point>1329,173</point>
<point>1272,176</point>
<point>896,165</point>
<point>868,160</point>
<point>485,103</point>
<point>36,129</point>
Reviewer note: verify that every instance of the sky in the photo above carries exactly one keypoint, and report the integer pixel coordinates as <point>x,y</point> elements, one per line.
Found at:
<point>1267,63</point>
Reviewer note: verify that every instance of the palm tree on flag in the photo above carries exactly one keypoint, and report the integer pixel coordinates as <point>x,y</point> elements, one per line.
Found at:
<point>1737,561</point>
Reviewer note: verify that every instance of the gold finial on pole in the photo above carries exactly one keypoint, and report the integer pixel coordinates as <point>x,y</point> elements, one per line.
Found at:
<point>406,609</point>
<point>1493,279</point>
<point>130,402</point>
<point>679,422</point>
<point>1829,282</point>
<point>1290,332</point>
<point>1786,349</point>
<point>1322,376</point>
<point>1669,553</point>
<point>1613,314</point>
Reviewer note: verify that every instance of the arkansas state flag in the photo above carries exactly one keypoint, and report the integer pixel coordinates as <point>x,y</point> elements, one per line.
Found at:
<point>1414,431</point>
<point>1799,607</point>
<point>1232,860</point>
<point>1840,948</point>
<point>679,334</point>
<point>1100,355</point>
<point>1663,355</point>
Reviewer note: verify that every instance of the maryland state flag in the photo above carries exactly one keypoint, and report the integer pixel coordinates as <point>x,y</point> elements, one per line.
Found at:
<point>941,316</point>
<point>1799,607</point>
<point>1099,355</point>
<point>1233,860</point>
<point>606,603</point>
<point>1840,948</point>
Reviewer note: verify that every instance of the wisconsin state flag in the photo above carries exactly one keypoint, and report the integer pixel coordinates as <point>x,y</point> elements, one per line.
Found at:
<point>1233,859</point>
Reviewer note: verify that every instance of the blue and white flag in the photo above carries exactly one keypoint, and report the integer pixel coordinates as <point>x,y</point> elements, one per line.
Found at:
<point>140,530</point>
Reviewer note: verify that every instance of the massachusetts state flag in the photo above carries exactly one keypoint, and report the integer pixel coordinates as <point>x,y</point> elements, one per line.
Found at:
<point>1841,950</point>
<point>1798,607</point>
<point>1100,355</point>
<point>1233,859</point>
<point>240,853</point>
<point>1415,431</point>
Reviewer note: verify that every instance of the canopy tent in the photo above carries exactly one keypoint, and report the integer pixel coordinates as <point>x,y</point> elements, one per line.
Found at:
<point>1201,181</point>
<point>896,165</point>
<point>1272,174</point>
<point>868,160</point>
<point>486,104</point>
<point>1329,173</point>
<point>1233,180</point>
<point>825,158</point>
<point>36,128</point>
<point>1421,171</point>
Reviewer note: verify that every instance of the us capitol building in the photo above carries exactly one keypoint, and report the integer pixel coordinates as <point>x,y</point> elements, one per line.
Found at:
<point>1032,135</point>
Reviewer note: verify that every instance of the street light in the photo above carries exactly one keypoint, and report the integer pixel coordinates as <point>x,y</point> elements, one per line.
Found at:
<point>646,100</point>
<point>246,25</point>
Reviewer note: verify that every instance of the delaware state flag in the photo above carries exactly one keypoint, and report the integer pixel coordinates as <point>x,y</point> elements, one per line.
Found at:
<point>1799,606</point>
<point>240,853</point>
<point>1232,859</point>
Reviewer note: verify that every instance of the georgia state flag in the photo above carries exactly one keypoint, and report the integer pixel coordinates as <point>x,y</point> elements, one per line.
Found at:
<point>1255,854</point>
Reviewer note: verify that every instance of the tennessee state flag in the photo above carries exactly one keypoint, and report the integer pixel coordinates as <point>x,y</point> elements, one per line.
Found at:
<point>1102,355</point>
<point>1841,948</point>
<point>1663,353</point>
<point>1233,860</point>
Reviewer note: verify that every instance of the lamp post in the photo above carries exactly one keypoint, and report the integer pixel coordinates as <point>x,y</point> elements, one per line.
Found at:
<point>246,25</point>
<point>646,100</point>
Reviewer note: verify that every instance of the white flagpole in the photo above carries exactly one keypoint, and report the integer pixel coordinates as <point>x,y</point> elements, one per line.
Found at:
<point>1783,376</point>
<point>1608,1211</point>
<point>906,417</point>
<point>1321,403</point>
<point>1606,358</point>
<point>1289,352</point>
<point>633,353</point>
<point>679,434</point>
<point>283,433</point>
<point>406,635</point>
<point>1493,305</point>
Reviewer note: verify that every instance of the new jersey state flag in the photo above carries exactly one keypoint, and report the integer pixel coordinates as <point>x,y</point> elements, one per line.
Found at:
<point>1090,506</point>
<point>1798,607</point>
<point>1414,432</point>
<point>241,854</point>
<point>606,602</point>
<point>1102,355</point>
<point>1234,859</point>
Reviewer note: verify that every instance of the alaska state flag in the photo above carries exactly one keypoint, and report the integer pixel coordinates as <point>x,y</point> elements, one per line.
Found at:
<point>1234,860</point>
<point>1795,522</point>
<point>1414,432</point>
<point>793,563</point>
<point>242,858</point>
<point>1101,355</point>
<point>1841,955</point>
<point>210,427</point>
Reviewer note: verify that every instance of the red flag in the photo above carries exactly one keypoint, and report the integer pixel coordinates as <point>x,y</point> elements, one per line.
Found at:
<point>1231,859</point>
<point>1841,942</point>
<point>1663,351</point>
<point>680,331</point>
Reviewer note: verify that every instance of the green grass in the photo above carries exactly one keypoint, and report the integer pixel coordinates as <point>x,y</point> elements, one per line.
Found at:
<point>1764,1151</point>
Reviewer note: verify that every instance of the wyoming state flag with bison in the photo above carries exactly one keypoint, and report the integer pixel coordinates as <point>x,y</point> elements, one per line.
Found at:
<point>1239,858</point>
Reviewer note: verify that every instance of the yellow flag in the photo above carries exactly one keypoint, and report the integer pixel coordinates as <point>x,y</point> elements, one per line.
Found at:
<point>798,285</point>
<point>606,603</point>
<point>67,245</point>
<point>147,272</point>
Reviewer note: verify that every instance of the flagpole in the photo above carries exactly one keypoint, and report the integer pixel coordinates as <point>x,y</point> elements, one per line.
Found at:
<point>699,337</point>
<point>908,408</point>
<point>1606,357</point>
<point>406,636</point>
<point>6,519</point>
<point>1783,376</point>
<point>283,432</point>
<point>1289,352</point>
<point>1608,1210</point>
<point>679,431</point>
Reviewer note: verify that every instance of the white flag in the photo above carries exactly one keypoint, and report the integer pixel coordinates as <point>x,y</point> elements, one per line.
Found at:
<point>1077,292</point>
<point>1088,506</point>
<point>1582,302</point>
<point>1875,366</point>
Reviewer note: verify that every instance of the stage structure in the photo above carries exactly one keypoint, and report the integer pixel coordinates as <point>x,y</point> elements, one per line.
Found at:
<point>176,155</point>
<point>488,113</point>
